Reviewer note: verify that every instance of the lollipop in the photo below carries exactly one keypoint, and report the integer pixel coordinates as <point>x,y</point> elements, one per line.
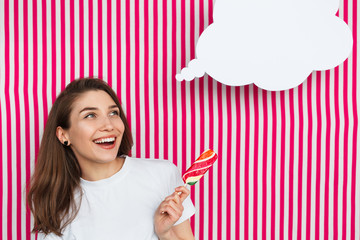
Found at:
<point>199,167</point>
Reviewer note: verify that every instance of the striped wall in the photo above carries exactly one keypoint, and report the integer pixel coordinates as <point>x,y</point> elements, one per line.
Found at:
<point>287,165</point>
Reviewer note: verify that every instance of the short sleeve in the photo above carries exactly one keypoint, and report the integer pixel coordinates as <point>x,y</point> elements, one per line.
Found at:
<point>176,181</point>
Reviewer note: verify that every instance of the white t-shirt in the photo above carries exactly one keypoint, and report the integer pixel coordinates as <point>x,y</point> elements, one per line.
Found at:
<point>123,205</point>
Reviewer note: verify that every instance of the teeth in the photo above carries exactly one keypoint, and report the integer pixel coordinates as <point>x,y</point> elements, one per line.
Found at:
<point>105,140</point>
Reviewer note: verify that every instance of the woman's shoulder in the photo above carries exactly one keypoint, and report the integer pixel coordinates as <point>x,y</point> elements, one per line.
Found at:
<point>152,162</point>
<point>155,166</point>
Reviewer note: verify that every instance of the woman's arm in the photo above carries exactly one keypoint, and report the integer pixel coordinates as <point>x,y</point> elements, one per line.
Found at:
<point>168,213</point>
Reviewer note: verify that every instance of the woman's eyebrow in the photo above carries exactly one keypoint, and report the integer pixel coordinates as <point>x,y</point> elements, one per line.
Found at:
<point>94,108</point>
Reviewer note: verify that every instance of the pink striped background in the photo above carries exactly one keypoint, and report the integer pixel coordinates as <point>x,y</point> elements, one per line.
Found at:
<point>287,164</point>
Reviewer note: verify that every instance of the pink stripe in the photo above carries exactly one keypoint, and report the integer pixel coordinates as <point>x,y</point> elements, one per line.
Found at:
<point>291,162</point>
<point>35,80</point>
<point>336,156</point>
<point>273,164</point>
<point>301,149</point>
<point>246,170</point>
<point>109,45</point>
<point>156,79</point>
<point>100,39</point>
<point>282,163</point>
<point>318,154</point>
<point>237,170</point>
<point>118,49</point>
<point>63,54</point>
<point>355,119</point>
<point>72,38</point>
<point>165,80</point>
<point>91,41</point>
<point>53,50</point>
<point>128,47</point>
<point>192,95</point>
<point>346,133</point>
<point>327,154</point>
<point>173,80</point>
<point>2,177</point>
<point>228,168</point>
<point>202,148</point>
<point>202,130</point>
<point>27,118</point>
<point>81,36</point>
<point>309,157</point>
<point>256,159</point>
<point>193,137</point>
<point>19,205</point>
<point>220,155</point>
<point>137,79</point>
<point>183,92</point>
<point>183,85</point>
<point>146,80</point>
<point>264,173</point>
<point>211,146</point>
<point>8,119</point>
<point>44,63</point>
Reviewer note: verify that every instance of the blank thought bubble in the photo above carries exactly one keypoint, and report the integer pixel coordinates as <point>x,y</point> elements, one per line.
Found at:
<point>274,44</point>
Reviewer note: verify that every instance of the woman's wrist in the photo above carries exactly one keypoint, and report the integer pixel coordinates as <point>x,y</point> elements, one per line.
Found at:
<point>169,235</point>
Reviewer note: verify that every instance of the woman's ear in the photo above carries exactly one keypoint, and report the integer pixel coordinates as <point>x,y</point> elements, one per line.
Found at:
<point>62,135</point>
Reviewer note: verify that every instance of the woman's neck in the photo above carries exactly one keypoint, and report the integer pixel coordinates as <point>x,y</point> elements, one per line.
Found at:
<point>95,172</point>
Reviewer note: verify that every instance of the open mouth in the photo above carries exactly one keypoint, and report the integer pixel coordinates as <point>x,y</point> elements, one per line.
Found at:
<point>105,142</point>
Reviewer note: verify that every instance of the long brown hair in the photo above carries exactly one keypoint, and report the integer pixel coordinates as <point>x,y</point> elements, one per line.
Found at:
<point>50,194</point>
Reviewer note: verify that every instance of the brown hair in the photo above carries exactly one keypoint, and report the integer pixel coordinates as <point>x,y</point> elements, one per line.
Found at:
<point>50,194</point>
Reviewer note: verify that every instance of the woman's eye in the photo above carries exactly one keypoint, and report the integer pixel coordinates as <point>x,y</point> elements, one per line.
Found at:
<point>91,115</point>
<point>116,113</point>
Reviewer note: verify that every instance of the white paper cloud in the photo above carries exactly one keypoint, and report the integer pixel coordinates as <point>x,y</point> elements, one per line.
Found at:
<point>275,44</point>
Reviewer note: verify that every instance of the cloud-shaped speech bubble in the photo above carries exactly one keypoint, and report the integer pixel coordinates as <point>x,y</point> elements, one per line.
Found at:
<point>275,44</point>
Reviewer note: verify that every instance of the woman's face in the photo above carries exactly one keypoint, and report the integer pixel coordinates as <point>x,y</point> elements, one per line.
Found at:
<point>96,128</point>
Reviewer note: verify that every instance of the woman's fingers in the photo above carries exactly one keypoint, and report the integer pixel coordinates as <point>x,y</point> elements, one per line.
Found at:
<point>184,192</point>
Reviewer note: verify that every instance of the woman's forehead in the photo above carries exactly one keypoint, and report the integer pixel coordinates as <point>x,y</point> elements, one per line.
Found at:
<point>93,98</point>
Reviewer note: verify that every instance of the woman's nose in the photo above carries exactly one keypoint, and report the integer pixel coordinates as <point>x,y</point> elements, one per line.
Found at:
<point>106,124</point>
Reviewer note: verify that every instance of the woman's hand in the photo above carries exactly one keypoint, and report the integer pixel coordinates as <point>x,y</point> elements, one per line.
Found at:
<point>169,212</point>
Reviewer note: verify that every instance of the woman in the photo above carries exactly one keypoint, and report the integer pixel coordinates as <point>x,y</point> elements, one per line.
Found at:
<point>86,187</point>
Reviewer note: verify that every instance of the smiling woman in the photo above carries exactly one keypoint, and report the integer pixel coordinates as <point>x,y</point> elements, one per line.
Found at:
<point>85,186</point>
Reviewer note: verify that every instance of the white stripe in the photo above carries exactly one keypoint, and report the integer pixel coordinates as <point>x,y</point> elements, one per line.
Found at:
<point>242,162</point>
<point>269,166</point>
<point>277,165</point>
<point>160,81</point>
<point>67,43</point>
<point>104,37</point>
<point>49,58</point>
<point>113,47</point>
<point>12,119</point>
<point>332,152</point>
<point>142,79</point>
<point>304,160</point>
<point>151,84</point>
<point>58,46</point>
<point>296,162</point>
<point>313,155</point>
<point>206,143</point>
<point>96,38</point>
<point>251,159</point>
<point>22,115</point>
<point>323,159</point>
<point>86,38</point>
<point>286,163</point>
<point>132,73</point>
<point>234,161</point>
<point>77,39</point>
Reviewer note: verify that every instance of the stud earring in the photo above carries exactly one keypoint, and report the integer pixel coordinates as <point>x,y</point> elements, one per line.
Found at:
<point>66,143</point>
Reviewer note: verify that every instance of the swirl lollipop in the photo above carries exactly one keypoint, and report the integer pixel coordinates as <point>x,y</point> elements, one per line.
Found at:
<point>199,167</point>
